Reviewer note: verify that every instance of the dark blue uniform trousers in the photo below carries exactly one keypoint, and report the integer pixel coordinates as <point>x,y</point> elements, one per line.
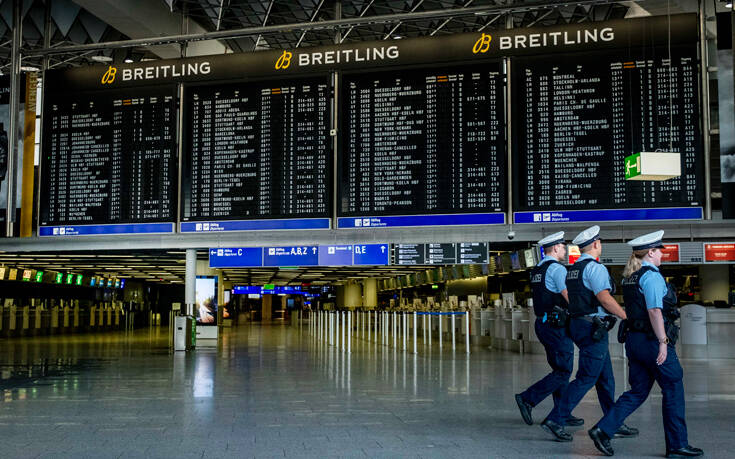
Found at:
<point>643,371</point>
<point>560,355</point>
<point>595,369</point>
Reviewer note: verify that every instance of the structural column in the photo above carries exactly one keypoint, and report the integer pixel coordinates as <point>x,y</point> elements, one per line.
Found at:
<point>190,281</point>
<point>370,293</point>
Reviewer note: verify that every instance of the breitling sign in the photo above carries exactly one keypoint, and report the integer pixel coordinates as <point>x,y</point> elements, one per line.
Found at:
<point>467,47</point>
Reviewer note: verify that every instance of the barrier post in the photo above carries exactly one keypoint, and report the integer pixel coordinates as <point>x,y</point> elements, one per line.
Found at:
<point>467,331</point>
<point>349,332</point>
<point>441,345</point>
<point>405,331</point>
<point>414,333</point>
<point>429,329</point>
<point>453,330</point>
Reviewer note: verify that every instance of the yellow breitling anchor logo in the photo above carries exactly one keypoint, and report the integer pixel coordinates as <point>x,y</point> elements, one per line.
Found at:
<point>284,61</point>
<point>482,45</point>
<point>109,75</point>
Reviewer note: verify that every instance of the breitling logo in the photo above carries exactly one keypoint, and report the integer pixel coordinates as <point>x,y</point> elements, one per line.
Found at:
<point>109,75</point>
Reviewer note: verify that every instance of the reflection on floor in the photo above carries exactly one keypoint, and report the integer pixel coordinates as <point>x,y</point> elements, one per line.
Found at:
<point>275,391</point>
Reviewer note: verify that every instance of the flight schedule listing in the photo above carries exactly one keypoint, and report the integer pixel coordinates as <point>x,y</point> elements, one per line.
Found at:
<point>257,150</point>
<point>110,157</point>
<point>423,141</point>
<point>578,118</point>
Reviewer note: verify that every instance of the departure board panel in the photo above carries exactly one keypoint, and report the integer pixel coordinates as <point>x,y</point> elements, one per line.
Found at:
<point>577,118</point>
<point>110,158</point>
<point>423,141</point>
<point>257,150</point>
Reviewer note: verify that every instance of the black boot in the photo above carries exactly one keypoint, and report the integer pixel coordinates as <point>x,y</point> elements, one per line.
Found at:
<point>602,441</point>
<point>687,451</point>
<point>525,409</point>
<point>556,430</point>
<point>626,432</point>
<point>574,422</point>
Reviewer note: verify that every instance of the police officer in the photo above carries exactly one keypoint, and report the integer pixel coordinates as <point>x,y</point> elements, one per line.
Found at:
<point>548,285</point>
<point>590,291</point>
<point>651,306</point>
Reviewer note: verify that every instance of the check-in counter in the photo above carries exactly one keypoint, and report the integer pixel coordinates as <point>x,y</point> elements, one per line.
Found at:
<point>707,332</point>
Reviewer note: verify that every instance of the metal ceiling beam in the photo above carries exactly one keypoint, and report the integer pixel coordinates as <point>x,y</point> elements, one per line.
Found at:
<point>329,24</point>
<point>313,17</point>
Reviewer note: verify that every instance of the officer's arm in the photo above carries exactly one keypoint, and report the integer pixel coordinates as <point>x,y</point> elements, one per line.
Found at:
<point>608,302</point>
<point>657,322</point>
<point>565,294</point>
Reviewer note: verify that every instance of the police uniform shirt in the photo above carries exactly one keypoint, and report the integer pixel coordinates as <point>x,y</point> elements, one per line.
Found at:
<point>654,287</point>
<point>556,275</point>
<point>596,278</point>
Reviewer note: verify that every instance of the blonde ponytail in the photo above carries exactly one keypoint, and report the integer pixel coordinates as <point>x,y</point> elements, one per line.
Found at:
<point>634,262</point>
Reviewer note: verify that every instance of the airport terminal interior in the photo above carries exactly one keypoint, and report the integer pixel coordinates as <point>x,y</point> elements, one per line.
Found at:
<point>307,228</point>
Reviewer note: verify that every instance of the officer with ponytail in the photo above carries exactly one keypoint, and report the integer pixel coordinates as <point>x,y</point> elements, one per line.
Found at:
<point>651,335</point>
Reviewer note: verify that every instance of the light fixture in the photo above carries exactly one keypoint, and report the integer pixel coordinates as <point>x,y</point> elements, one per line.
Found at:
<point>130,61</point>
<point>29,68</point>
<point>102,58</point>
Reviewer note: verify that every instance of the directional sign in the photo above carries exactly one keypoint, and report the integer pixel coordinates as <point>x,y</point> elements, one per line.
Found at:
<point>235,257</point>
<point>335,255</point>
<point>301,255</point>
<point>371,254</point>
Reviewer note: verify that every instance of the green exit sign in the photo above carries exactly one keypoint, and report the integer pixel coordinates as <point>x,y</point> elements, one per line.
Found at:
<point>269,287</point>
<point>632,166</point>
<point>39,276</point>
<point>59,278</point>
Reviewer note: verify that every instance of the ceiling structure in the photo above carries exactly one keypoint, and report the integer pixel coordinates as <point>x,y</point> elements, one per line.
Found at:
<point>86,22</point>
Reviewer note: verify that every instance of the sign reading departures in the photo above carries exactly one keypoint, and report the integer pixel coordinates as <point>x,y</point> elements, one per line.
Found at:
<point>417,145</point>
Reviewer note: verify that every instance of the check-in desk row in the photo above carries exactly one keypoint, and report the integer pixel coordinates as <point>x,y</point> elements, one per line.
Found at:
<point>705,333</point>
<point>36,321</point>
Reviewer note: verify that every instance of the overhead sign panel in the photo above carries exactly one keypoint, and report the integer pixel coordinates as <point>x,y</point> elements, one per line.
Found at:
<point>371,254</point>
<point>235,257</point>
<point>291,256</point>
<point>335,255</point>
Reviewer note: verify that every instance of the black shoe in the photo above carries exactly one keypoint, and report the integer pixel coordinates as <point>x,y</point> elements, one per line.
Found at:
<point>626,432</point>
<point>602,441</point>
<point>556,430</point>
<point>574,422</point>
<point>687,451</point>
<point>525,409</point>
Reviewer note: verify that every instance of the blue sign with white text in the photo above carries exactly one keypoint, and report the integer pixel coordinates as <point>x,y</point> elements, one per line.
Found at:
<point>371,254</point>
<point>563,216</point>
<point>300,255</point>
<point>235,257</point>
<point>335,255</point>
<point>99,230</point>
<point>255,225</point>
<point>496,218</point>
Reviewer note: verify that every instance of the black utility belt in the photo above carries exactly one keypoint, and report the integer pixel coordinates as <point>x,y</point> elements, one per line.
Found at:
<point>557,317</point>
<point>600,325</point>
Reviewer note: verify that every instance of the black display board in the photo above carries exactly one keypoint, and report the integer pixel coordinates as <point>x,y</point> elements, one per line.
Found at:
<point>577,118</point>
<point>109,157</point>
<point>423,141</point>
<point>257,150</point>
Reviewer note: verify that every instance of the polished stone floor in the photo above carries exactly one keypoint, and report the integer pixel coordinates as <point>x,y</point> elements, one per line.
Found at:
<point>275,391</point>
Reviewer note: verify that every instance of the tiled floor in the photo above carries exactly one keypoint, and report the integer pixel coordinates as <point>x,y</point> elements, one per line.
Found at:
<point>275,391</point>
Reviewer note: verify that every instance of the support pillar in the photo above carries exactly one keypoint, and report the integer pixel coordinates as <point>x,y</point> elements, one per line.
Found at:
<point>190,281</point>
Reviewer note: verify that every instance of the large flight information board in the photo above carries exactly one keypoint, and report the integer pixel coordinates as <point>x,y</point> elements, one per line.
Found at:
<point>577,119</point>
<point>255,151</point>
<point>109,162</point>
<point>422,142</point>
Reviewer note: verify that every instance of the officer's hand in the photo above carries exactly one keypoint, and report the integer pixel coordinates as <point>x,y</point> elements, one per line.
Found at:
<point>663,350</point>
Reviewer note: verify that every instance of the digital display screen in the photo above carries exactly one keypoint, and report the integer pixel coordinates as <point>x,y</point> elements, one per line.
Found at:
<point>109,157</point>
<point>257,150</point>
<point>577,118</point>
<point>423,141</point>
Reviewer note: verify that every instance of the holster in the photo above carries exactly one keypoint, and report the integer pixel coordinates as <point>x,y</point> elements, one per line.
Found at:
<point>623,331</point>
<point>559,317</point>
<point>599,328</point>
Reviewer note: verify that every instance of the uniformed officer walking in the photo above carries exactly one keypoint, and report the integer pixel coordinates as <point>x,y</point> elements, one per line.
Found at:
<point>590,290</point>
<point>548,285</point>
<point>651,306</point>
